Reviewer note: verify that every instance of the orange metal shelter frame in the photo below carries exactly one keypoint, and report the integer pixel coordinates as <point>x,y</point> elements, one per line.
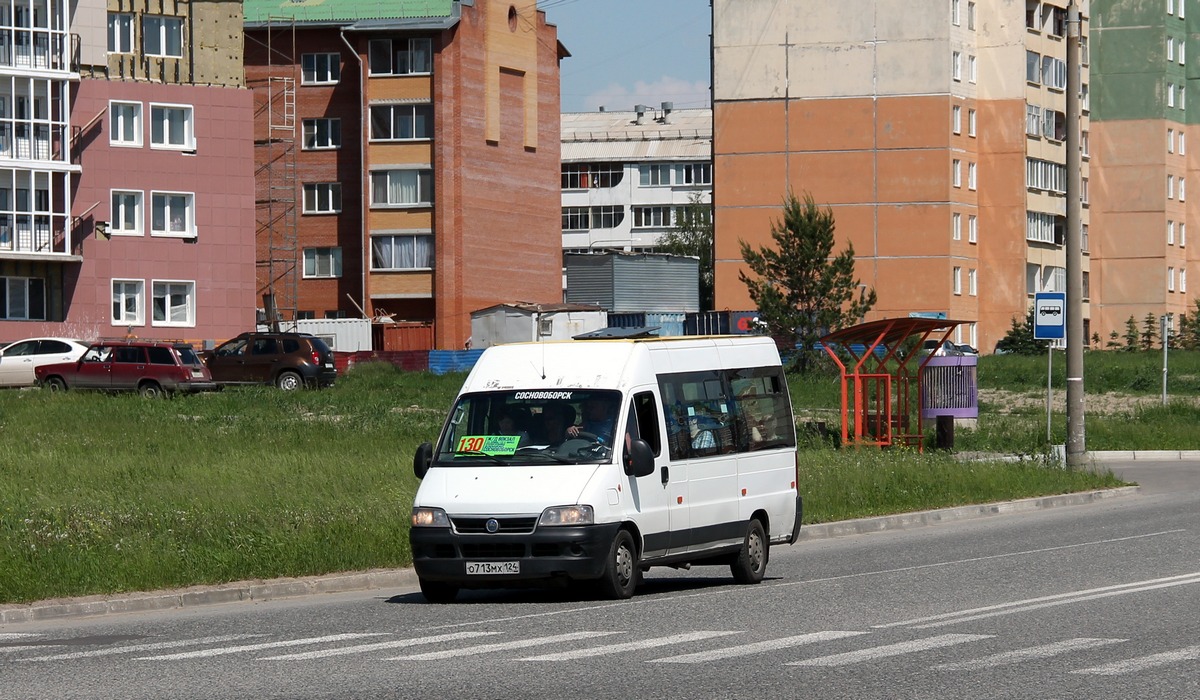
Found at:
<point>878,404</point>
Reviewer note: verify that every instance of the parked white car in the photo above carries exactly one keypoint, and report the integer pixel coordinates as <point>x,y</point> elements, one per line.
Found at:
<point>18,360</point>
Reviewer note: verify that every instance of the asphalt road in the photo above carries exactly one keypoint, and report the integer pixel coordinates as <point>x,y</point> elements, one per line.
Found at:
<point>1089,601</point>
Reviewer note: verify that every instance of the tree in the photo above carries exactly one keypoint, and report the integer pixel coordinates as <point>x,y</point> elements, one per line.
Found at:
<point>1149,330</point>
<point>1131,335</point>
<point>800,288</point>
<point>1019,338</point>
<point>693,235</point>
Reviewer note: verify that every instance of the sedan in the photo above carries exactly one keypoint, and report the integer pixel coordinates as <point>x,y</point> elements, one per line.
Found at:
<point>18,360</point>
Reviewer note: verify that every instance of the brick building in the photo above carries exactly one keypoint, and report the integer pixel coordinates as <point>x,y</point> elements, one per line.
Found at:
<point>407,157</point>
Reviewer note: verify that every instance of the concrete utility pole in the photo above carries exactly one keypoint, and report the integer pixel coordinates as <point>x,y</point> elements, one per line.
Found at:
<point>1075,448</point>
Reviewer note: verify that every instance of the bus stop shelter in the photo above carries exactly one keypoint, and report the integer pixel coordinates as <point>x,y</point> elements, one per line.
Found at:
<point>890,385</point>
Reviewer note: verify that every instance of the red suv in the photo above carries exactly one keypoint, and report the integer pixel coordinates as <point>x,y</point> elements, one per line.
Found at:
<point>148,367</point>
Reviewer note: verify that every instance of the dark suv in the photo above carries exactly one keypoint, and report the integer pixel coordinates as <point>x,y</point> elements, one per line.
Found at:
<point>148,367</point>
<point>287,360</point>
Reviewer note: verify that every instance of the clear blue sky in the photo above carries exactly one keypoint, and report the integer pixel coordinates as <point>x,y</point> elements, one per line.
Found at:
<point>625,52</point>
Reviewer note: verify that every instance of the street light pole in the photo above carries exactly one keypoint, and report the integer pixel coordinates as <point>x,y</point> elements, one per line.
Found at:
<point>1166,341</point>
<point>1075,447</point>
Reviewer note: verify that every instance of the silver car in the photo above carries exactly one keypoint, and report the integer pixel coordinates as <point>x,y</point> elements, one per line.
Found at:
<point>18,360</point>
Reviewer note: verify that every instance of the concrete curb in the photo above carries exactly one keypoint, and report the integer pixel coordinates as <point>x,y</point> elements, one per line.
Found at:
<point>399,578</point>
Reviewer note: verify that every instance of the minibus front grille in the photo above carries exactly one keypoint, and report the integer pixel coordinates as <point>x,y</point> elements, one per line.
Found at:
<point>515,550</point>
<point>506,526</point>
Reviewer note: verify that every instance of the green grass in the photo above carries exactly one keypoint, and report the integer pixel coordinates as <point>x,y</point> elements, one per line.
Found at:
<point>104,494</point>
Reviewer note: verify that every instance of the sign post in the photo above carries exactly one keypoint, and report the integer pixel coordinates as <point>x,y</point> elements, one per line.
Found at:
<point>1049,323</point>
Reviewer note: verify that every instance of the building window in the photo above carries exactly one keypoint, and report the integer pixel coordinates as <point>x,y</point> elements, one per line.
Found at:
<point>1170,7</point>
<point>1170,233</point>
<point>956,119</point>
<point>1170,94</point>
<point>1170,187</point>
<point>1182,143</point>
<point>401,122</point>
<point>1042,228</point>
<point>1085,99</point>
<point>582,176</point>
<point>322,262</point>
<point>972,229</point>
<point>23,298</point>
<point>401,187</point>
<point>958,281</point>
<point>1085,146</point>
<point>972,69</point>
<point>971,16</point>
<point>173,303</point>
<point>322,198</point>
<point>972,179</point>
<point>322,134</point>
<point>171,127</point>
<point>125,123</point>
<point>320,68</point>
<point>128,302</point>
<point>1033,62</point>
<point>653,217</point>
<point>1083,51</point>
<point>120,32</point>
<point>1182,280</point>
<point>1182,234</point>
<point>1033,120</point>
<point>956,65</point>
<point>956,227</point>
<point>955,11</point>
<point>400,56</point>
<point>172,214</point>
<point>1083,237</point>
<point>1170,48</point>
<point>1182,189</point>
<point>1083,191</point>
<point>1182,97</point>
<point>971,122</point>
<point>1182,45</point>
<point>402,252</point>
<point>586,218</point>
<point>956,173</point>
<point>1182,7</point>
<point>972,289</point>
<point>693,174</point>
<point>1054,73</point>
<point>1170,279</point>
<point>1045,175</point>
<point>162,36</point>
<point>664,174</point>
<point>126,216</point>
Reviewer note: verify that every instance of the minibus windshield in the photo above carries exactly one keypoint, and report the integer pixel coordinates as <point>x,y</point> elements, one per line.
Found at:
<point>541,426</point>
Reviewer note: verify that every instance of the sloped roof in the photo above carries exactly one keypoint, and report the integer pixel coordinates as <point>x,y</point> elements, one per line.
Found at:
<point>534,307</point>
<point>259,11</point>
<point>684,134</point>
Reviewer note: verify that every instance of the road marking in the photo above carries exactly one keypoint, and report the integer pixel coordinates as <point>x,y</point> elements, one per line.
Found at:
<point>143,647</point>
<point>6,636</point>
<point>1031,654</point>
<point>755,648</point>
<point>853,657</point>
<point>1009,608</point>
<point>364,648</point>
<point>25,647</point>
<point>628,646</point>
<point>1120,668</point>
<point>501,646</point>
<point>255,647</point>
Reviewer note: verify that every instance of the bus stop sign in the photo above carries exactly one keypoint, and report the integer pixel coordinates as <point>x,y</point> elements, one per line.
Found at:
<point>1049,316</point>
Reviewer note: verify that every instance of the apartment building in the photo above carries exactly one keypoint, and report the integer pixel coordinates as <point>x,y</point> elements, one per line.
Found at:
<point>406,155</point>
<point>124,170</point>
<point>906,119</point>
<point>630,176</point>
<point>1140,134</point>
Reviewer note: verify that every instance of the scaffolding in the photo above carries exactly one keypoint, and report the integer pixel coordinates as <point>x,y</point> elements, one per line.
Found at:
<point>276,234</point>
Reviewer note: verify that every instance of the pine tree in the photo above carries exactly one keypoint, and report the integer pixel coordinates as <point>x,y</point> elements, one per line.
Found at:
<point>693,235</point>
<point>803,291</point>
<point>1149,330</point>
<point>1019,338</point>
<point>1131,335</point>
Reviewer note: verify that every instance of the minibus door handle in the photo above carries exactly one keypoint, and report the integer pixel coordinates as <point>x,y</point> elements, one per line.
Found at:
<point>666,475</point>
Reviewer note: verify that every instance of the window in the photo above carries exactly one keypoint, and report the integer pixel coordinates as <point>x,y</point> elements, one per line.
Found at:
<point>1170,94</point>
<point>400,56</point>
<point>23,298</point>
<point>120,32</point>
<point>1033,120</point>
<point>1170,7</point>
<point>955,9</point>
<point>956,173</point>
<point>972,229</point>
<point>972,179</point>
<point>956,119</point>
<point>971,121</point>
<point>956,227</point>
<point>1054,125</point>
<point>1182,7</point>
<point>693,174</point>
<point>1182,96</point>
<point>1083,191</point>
<point>322,262</point>
<point>402,252</point>
<point>1083,51</point>
<point>1182,189</point>
<point>654,175</point>
<point>585,218</point>
<point>581,176</point>
<point>1182,143</point>
<point>1054,73</point>
<point>972,289</point>
<point>322,133</point>
<point>320,68</point>
<point>1039,227</point>
<point>971,16</point>
<point>1182,280</point>
<point>723,412</point>
<point>972,69</point>
<point>682,174</point>
<point>1170,187</point>
<point>1083,237</point>
<point>171,126</point>
<point>1182,44</point>
<point>1085,100</point>
<point>1033,61</point>
<point>171,214</point>
<point>1182,234</point>
<point>162,36</point>
<point>1170,140</point>
<point>125,123</point>
<point>322,198</point>
<point>401,187</point>
<point>173,303</point>
<point>1170,233</point>
<point>958,280</point>
<point>956,65</point>
<point>126,216</point>
<point>653,217</point>
<point>1170,48</point>
<point>1170,279</point>
<point>128,300</point>
<point>401,122</point>
<point>1045,175</point>
<point>1085,146</point>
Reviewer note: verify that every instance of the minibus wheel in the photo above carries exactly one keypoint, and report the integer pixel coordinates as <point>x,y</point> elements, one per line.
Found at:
<point>438,591</point>
<point>622,573</point>
<point>751,563</point>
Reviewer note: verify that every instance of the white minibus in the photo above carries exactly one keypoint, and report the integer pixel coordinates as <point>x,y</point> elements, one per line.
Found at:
<point>594,460</point>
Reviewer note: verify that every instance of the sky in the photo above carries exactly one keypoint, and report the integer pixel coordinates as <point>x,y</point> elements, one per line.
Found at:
<point>627,52</point>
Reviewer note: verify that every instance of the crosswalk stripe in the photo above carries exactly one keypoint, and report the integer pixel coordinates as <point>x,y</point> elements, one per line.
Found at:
<point>376,646</point>
<point>142,647</point>
<point>1142,663</point>
<point>255,647</point>
<point>1044,651</point>
<point>501,646</point>
<point>853,657</point>
<point>755,648</point>
<point>628,646</point>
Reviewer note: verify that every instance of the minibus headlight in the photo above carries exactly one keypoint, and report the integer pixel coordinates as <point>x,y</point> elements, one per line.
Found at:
<point>567,515</point>
<point>430,517</point>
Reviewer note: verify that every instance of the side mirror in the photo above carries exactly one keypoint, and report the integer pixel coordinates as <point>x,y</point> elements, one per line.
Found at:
<point>639,461</point>
<point>422,459</point>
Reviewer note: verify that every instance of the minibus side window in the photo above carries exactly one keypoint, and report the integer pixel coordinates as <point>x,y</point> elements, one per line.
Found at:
<point>698,414</point>
<point>642,421</point>
<point>763,409</point>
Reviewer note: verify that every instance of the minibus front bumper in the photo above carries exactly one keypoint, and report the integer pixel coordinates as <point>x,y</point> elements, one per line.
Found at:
<point>505,560</point>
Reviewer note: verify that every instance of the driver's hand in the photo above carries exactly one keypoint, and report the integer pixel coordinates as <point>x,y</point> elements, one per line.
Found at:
<point>573,431</point>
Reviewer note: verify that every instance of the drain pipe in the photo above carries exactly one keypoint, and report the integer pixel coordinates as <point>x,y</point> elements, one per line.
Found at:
<point>364,192</point>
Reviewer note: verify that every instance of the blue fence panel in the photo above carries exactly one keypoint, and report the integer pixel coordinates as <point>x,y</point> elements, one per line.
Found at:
<point>444,361</point>
<point>668,324</point>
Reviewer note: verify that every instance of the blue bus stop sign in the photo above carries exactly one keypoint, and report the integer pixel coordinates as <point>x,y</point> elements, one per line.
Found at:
<point>1049,316</point>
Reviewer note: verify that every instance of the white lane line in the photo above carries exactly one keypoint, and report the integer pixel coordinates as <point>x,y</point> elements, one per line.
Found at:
<point>6,636</point>
<point>501,646</point>
<point>364,648</point>
<point>255,647</point>
<point>1191,578</point>
<point>853,657</point>
<point>1044,651</point>
<point>26,647</point>
<point>755,648</point>
<point>110,651</point>
<point>1142,663</point>
<point>628,646</point>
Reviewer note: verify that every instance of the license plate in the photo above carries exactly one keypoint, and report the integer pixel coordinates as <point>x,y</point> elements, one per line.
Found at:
<point>493,567</point>
<point>329,364</point>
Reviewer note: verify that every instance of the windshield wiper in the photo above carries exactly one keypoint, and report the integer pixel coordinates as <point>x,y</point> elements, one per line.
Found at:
<point>477,453</point>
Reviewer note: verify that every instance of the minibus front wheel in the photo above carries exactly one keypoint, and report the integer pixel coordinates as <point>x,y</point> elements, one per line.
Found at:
<point>621,573</point>
<point>438,591</point>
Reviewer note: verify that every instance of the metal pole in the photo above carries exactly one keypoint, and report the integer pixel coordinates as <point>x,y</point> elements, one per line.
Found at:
<point>1166,341</point>
<point>1075,448</point>
<point>1049,374</point>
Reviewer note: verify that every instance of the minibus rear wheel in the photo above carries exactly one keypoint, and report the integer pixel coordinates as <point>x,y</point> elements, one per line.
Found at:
<point>438,592</point>
<point>751,563</point>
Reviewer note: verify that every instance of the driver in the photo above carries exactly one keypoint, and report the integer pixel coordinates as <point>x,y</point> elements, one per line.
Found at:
<point>556,420</point>
<point>596,420</point>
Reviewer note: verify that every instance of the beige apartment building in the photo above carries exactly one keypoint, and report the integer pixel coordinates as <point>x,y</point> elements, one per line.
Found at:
<point>935,131</point>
